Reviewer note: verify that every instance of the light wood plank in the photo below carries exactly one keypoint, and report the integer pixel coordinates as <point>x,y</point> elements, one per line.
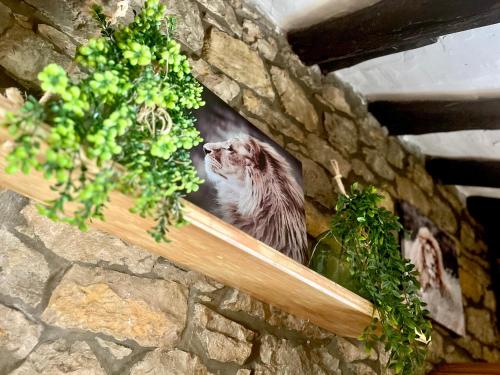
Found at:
<point>212,247</point>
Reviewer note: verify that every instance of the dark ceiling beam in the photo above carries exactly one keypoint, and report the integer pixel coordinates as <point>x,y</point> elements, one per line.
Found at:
<point>421,117</point>
<point>386,27</point>
<point>485,210</point>
<point>470,172</point>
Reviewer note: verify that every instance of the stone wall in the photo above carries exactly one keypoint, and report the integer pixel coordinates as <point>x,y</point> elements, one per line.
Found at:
<point>73,302</point>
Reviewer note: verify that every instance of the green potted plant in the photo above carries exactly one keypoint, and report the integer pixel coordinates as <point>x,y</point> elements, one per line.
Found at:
<point>125,125</point>
<point>366,258</point>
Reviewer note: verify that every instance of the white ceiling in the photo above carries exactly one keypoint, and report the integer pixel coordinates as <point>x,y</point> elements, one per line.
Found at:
<point>463,65</point>
<point>295,14</point>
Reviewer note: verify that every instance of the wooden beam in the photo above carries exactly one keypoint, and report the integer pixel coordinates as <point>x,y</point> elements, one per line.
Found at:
<point>386,27</point>
<point>469,172</point>
<point>433,116</point>
<point>468,368</point>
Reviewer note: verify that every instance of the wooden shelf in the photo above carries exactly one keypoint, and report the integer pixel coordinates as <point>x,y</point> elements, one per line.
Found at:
<point>212,247</point>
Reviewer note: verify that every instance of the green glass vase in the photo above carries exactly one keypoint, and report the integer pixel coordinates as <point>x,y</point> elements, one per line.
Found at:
<point>327,260</point>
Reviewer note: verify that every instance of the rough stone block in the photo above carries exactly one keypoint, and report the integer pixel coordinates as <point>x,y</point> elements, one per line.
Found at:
<point>342,133</point>
<point>238,61</point>
<point>224,87</point>
<point>222,339</point>
<point>18,336</point>
<point>174,362</point>
<point>90,247</point>
<point>23,271</point>
<point>294,99</point>
<point>59,358</point>
<point>151,312</point>
<point>271,116</point>
<point>23,54</point>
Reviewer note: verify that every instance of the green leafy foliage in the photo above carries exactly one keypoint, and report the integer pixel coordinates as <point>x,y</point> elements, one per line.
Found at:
<point>368,235</point>
<point>126,125</point>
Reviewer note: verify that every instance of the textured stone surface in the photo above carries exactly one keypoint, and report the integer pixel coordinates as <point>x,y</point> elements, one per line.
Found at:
<point>294,99</point>
<point>189,30</point>
<point>372,134</point>
<point>350,352</point>
<point>151,312</point>
<point>57,38</point>
<point>478,272</point>
<point>360,369</point>
<point>222,86</point>
<point>174,362</point>
<point>5,17</point>
<point>268,48</point>
<point>470,287</point>
<point>59,358</point>
<point>10,205</point>
<point>18,336</point>
<point>436,349</point>
<point>422,178</point>
<point>23,271</point>
<point>491,355</point>
<point>251,32</point>
<point>223,339</point>
<point>88,247</point>
<point>490,301</point>
<point>116,350</point>
<point>24,54</point>
<point>317,184</point>
<point>191,279</point>
<point>335,99</point>
<point>395,153</point>
<point>326,360</point>
<point>387,201</point>
<point>72,17</point>
<point>316,221</point>
<point>378,163</point>
<point>241,302</point>
<point>341,132</point>
<point>239,62</point>
<point>274,118</point>
<point>480,324</point>
<point>320,151</point>
<point>283,356</point>
<point>225,12</point>
<point>468,239</point>
<point>280,318</point>
<point>472,346</point>
<point>451,195</point>
<point>262,126</point>
<point>443,216</point>
<point>362,170</point>
<point>454,354</point>
<point>410,192</point>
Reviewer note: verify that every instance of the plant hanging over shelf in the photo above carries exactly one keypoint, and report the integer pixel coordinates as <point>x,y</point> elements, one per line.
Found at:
<point>126,125</point>
<point>367,236</point>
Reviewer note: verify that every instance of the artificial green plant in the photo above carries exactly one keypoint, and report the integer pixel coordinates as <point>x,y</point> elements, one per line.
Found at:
<point>368,235</point>
<point>126,125</point>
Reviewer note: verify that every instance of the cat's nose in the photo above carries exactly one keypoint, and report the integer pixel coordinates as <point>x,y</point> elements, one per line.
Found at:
<point>206,150</point>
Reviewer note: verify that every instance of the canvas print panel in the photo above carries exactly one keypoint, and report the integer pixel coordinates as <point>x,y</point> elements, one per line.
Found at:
<point>434,254</point>
<point>250,181</point>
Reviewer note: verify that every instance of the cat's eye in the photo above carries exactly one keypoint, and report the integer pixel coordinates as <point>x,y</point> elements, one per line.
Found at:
<point>230,149</point>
